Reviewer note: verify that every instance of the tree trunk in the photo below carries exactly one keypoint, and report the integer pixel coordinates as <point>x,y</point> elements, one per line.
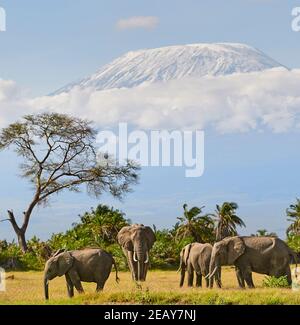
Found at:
<point>22,241</point>
<point>20,232</point>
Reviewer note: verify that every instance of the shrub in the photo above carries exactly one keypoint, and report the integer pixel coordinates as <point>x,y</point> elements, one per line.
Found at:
<point>294,242</point>
<point>273,282</point>
<point>12,258</point>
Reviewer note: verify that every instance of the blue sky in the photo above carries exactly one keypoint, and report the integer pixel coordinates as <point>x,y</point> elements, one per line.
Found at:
<point>51,43</point>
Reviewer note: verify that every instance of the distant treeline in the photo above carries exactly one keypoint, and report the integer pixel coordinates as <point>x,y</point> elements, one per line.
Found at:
<point>99,228</point>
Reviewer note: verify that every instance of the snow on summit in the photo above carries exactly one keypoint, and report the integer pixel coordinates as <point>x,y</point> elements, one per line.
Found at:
<point>176,62</point>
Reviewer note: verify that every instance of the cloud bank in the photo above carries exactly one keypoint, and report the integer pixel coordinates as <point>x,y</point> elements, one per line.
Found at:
<point>268,100</point>
<point>13,102</point>
<point>146,22</point>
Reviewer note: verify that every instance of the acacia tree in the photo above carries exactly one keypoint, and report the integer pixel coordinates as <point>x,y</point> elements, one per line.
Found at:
<point>59,154</point>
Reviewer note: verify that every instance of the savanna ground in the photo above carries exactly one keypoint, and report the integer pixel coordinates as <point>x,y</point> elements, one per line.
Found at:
<point>161,288</point>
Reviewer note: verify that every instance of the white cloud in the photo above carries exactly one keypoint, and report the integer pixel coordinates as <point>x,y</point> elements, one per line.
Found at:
<point>13,102</point>
<point>146,22</point>
<point>228,104</point>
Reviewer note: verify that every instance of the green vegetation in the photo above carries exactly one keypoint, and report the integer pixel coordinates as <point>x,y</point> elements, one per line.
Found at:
<point>293,214</point>
<point>227,220</point>
<point>100,226</point>
<point>273,282</point>
<point>192,224</point>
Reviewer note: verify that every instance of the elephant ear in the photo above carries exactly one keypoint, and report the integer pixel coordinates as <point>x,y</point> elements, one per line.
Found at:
<point>236,248</point>
<point>150,235</point>
<point>124,238</point>
<point>64,263</point>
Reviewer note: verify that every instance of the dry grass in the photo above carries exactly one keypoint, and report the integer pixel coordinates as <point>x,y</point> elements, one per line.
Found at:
<point>161,288</point>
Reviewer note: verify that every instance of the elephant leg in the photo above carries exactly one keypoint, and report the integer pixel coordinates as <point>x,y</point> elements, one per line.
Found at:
<point>135,271</point>
<point>198,271</point>
<point>283,272</point>
<point>288,275</point>
<point>198,280</point>
<point>240,277</point>
<point>76,280</point>
<point>182,276</point>
<point>211,282</point>
<point>205,272</point>
<point>218,282</point>
<point>190,276</point>
<point>146,270</point>
<point>207,282</point>
<point>249,280</point>
<point>70,286</point>
<point>129,257</point>
<point>132,265</point>
<point>100,286</point>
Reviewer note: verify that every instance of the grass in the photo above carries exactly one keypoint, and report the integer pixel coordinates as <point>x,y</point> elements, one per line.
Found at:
<point>161,288</point>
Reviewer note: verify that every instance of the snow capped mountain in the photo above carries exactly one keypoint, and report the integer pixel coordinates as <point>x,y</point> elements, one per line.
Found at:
<point>176,62</point>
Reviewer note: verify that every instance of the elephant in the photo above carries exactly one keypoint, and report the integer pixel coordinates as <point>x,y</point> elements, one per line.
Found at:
<point>264,255</point>
<point>195,257</point>
<point>87,265</point>
<point>136,242</point>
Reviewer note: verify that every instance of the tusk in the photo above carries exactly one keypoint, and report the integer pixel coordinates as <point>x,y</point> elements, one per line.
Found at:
<point>147,258</point>
<point>207,276</point>
<point>134,257</point>
<point>213,272</point>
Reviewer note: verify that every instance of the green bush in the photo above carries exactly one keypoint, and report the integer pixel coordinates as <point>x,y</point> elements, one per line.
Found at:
<point>294,242</point>
<point>273,282</point>
<point>13,258</point>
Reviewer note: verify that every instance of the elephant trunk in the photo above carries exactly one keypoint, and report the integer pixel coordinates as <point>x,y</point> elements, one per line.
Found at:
<point>141,259</point>
<point>140,270</point>
<point>46,288</point>
<point>214,273</point>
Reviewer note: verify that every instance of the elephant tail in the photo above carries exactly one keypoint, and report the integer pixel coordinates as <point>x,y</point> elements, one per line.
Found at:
<point>188,253</point>
<point>180,264</point>
<point>183,260</point>
<point>116,268</point>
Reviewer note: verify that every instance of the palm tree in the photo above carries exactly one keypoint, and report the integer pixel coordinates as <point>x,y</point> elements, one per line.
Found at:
<point>193,224</point>
<point>104,223</point>
<point>227,220</point>
<point>264,232</point>
<point>293,214</point>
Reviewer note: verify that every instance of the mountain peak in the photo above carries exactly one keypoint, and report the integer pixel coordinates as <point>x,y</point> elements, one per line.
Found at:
<point>176,62</point>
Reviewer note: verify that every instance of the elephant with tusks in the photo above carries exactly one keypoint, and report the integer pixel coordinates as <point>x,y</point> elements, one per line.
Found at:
<point>264,255</point>
<point>136,242</point>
